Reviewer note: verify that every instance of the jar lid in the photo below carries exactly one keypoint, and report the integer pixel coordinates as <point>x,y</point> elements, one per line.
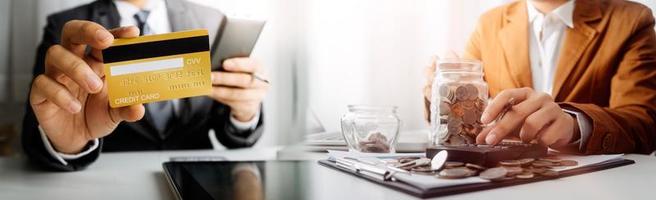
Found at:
<point>459,65</point>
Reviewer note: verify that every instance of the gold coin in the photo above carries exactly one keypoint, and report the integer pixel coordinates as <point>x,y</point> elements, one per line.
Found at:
<point>493,174</point>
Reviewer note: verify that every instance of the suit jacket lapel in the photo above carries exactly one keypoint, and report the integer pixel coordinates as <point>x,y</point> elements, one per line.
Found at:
<point>179,17</point>
<point>514,41</point>
<point>106,14</point>
<point>576,41</point>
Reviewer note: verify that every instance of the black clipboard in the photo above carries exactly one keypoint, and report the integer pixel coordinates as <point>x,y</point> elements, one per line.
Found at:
<point>458,189</point>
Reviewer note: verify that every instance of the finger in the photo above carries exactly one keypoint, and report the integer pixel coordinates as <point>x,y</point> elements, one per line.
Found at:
<point>515,117</point>
<point>429,72</point>
<point>480,138</point>
<point>96,66</point>
<point>132,113</point>
<point>125,32</point>
<point>121,32</point>
<point>538,121</point>
<point>552,134</point>
<point>232,79</point>
<point>73,67</point>
<point>46,89</point>
<point>431,65</point>
<point>235,94</point>
<point>428,92</point>
<point>76,34</point>
<point>243,64</point>
<point>495,106</point>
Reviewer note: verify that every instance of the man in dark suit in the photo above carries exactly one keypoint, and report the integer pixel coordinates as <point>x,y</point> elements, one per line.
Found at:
<point>68,121</point>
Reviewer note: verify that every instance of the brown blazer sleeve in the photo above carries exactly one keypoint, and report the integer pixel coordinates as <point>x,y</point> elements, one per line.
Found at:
<point>628,123</point>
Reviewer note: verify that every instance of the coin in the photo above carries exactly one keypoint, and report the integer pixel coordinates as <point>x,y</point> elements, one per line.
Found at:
<point>494,173</point>
<point>536,169</point>
<point>450,164</point>
<point>510,162</point>
<point>437,162</point>
<point>422,169</point>
<point>474,166</point>
<point>375,142</point>
<point>444,90</point>
<point>468,105</point>
<point>542,163</point>
<point>549,173</point>
<point>568,163</point>
<point>470,117</point>
<point>526,161</point>
<point>461,93</point>
<point>480,104</point>
<point>455,173</point>
<point>407,159</point>
<point>525,175</point>
<point>454,125</point>
<point>445,108</point>
<point>472,92</point>
<point>512,171</point>
<point>457,110</point>
<point>550,159</point>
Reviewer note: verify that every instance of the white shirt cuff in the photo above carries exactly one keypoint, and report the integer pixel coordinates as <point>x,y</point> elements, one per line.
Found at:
<point>585,127</point>
<point>62,157</point>
<point>245,126</point>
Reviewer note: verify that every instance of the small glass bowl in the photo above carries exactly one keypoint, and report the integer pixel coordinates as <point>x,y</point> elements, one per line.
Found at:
<point>371,129</point>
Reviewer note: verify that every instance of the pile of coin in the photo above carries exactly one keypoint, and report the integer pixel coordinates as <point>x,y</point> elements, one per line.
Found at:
<point>460,109</point>
<point>375,142</point>
<point>526,168</point>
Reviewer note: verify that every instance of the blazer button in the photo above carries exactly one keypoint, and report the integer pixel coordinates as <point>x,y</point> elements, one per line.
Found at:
<point>606,144</point>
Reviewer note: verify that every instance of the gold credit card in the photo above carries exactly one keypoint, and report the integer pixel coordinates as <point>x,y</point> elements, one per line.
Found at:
<point>158,67</point>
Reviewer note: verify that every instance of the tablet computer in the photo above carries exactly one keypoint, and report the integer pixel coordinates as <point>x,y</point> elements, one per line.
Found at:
<point>238,179</point>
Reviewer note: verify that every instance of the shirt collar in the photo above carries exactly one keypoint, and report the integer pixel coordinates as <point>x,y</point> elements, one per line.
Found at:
<point>564,12</point>
<point>126,9</point>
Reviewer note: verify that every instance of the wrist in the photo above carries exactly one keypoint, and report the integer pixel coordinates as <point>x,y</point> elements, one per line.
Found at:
<point>243,117</point>
<point>576,131</point>
<point>72,145</point>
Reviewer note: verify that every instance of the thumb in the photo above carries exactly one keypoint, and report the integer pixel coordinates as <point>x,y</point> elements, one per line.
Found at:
<point>129,113</point>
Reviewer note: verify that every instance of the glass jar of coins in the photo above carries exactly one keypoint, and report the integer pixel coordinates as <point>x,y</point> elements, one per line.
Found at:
<point>459,96</point>
<point>371,129</point>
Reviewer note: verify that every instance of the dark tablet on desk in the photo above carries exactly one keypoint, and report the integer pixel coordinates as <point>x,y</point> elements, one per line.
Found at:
<point>238,180</point>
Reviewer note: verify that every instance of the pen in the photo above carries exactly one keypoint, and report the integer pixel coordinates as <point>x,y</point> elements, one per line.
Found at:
<point>258,77</point>
<point>506,108</point>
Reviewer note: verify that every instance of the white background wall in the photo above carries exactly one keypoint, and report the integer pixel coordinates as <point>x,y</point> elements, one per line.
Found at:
<point>340,51</point>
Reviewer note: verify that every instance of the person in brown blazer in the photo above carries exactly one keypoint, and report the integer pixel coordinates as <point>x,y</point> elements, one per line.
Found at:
<point>582,73</point>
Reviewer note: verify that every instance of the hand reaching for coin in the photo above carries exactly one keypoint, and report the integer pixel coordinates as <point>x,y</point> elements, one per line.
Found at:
<point>70,98</point>
<point>534,114</point>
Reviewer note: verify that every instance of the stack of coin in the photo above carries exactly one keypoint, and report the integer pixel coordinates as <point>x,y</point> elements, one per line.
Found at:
<point>415,165</point>
<point>375,142</point>
<point>460,109</point>
<point>526,168</point>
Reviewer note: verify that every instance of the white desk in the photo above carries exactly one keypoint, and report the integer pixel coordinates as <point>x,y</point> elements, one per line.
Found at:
<point>139,176</point>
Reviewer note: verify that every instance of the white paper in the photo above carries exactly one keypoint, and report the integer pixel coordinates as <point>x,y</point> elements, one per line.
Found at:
<point>586,160</point>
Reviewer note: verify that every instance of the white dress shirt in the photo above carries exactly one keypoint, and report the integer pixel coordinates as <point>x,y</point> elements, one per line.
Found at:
<point>158,23</point>
<point>547,33</point>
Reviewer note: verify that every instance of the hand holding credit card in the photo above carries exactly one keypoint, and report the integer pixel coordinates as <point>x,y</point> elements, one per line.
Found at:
<point>158,67</point>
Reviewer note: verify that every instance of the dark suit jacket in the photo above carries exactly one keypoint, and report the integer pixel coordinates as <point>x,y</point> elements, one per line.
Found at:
<point>198,114</point>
